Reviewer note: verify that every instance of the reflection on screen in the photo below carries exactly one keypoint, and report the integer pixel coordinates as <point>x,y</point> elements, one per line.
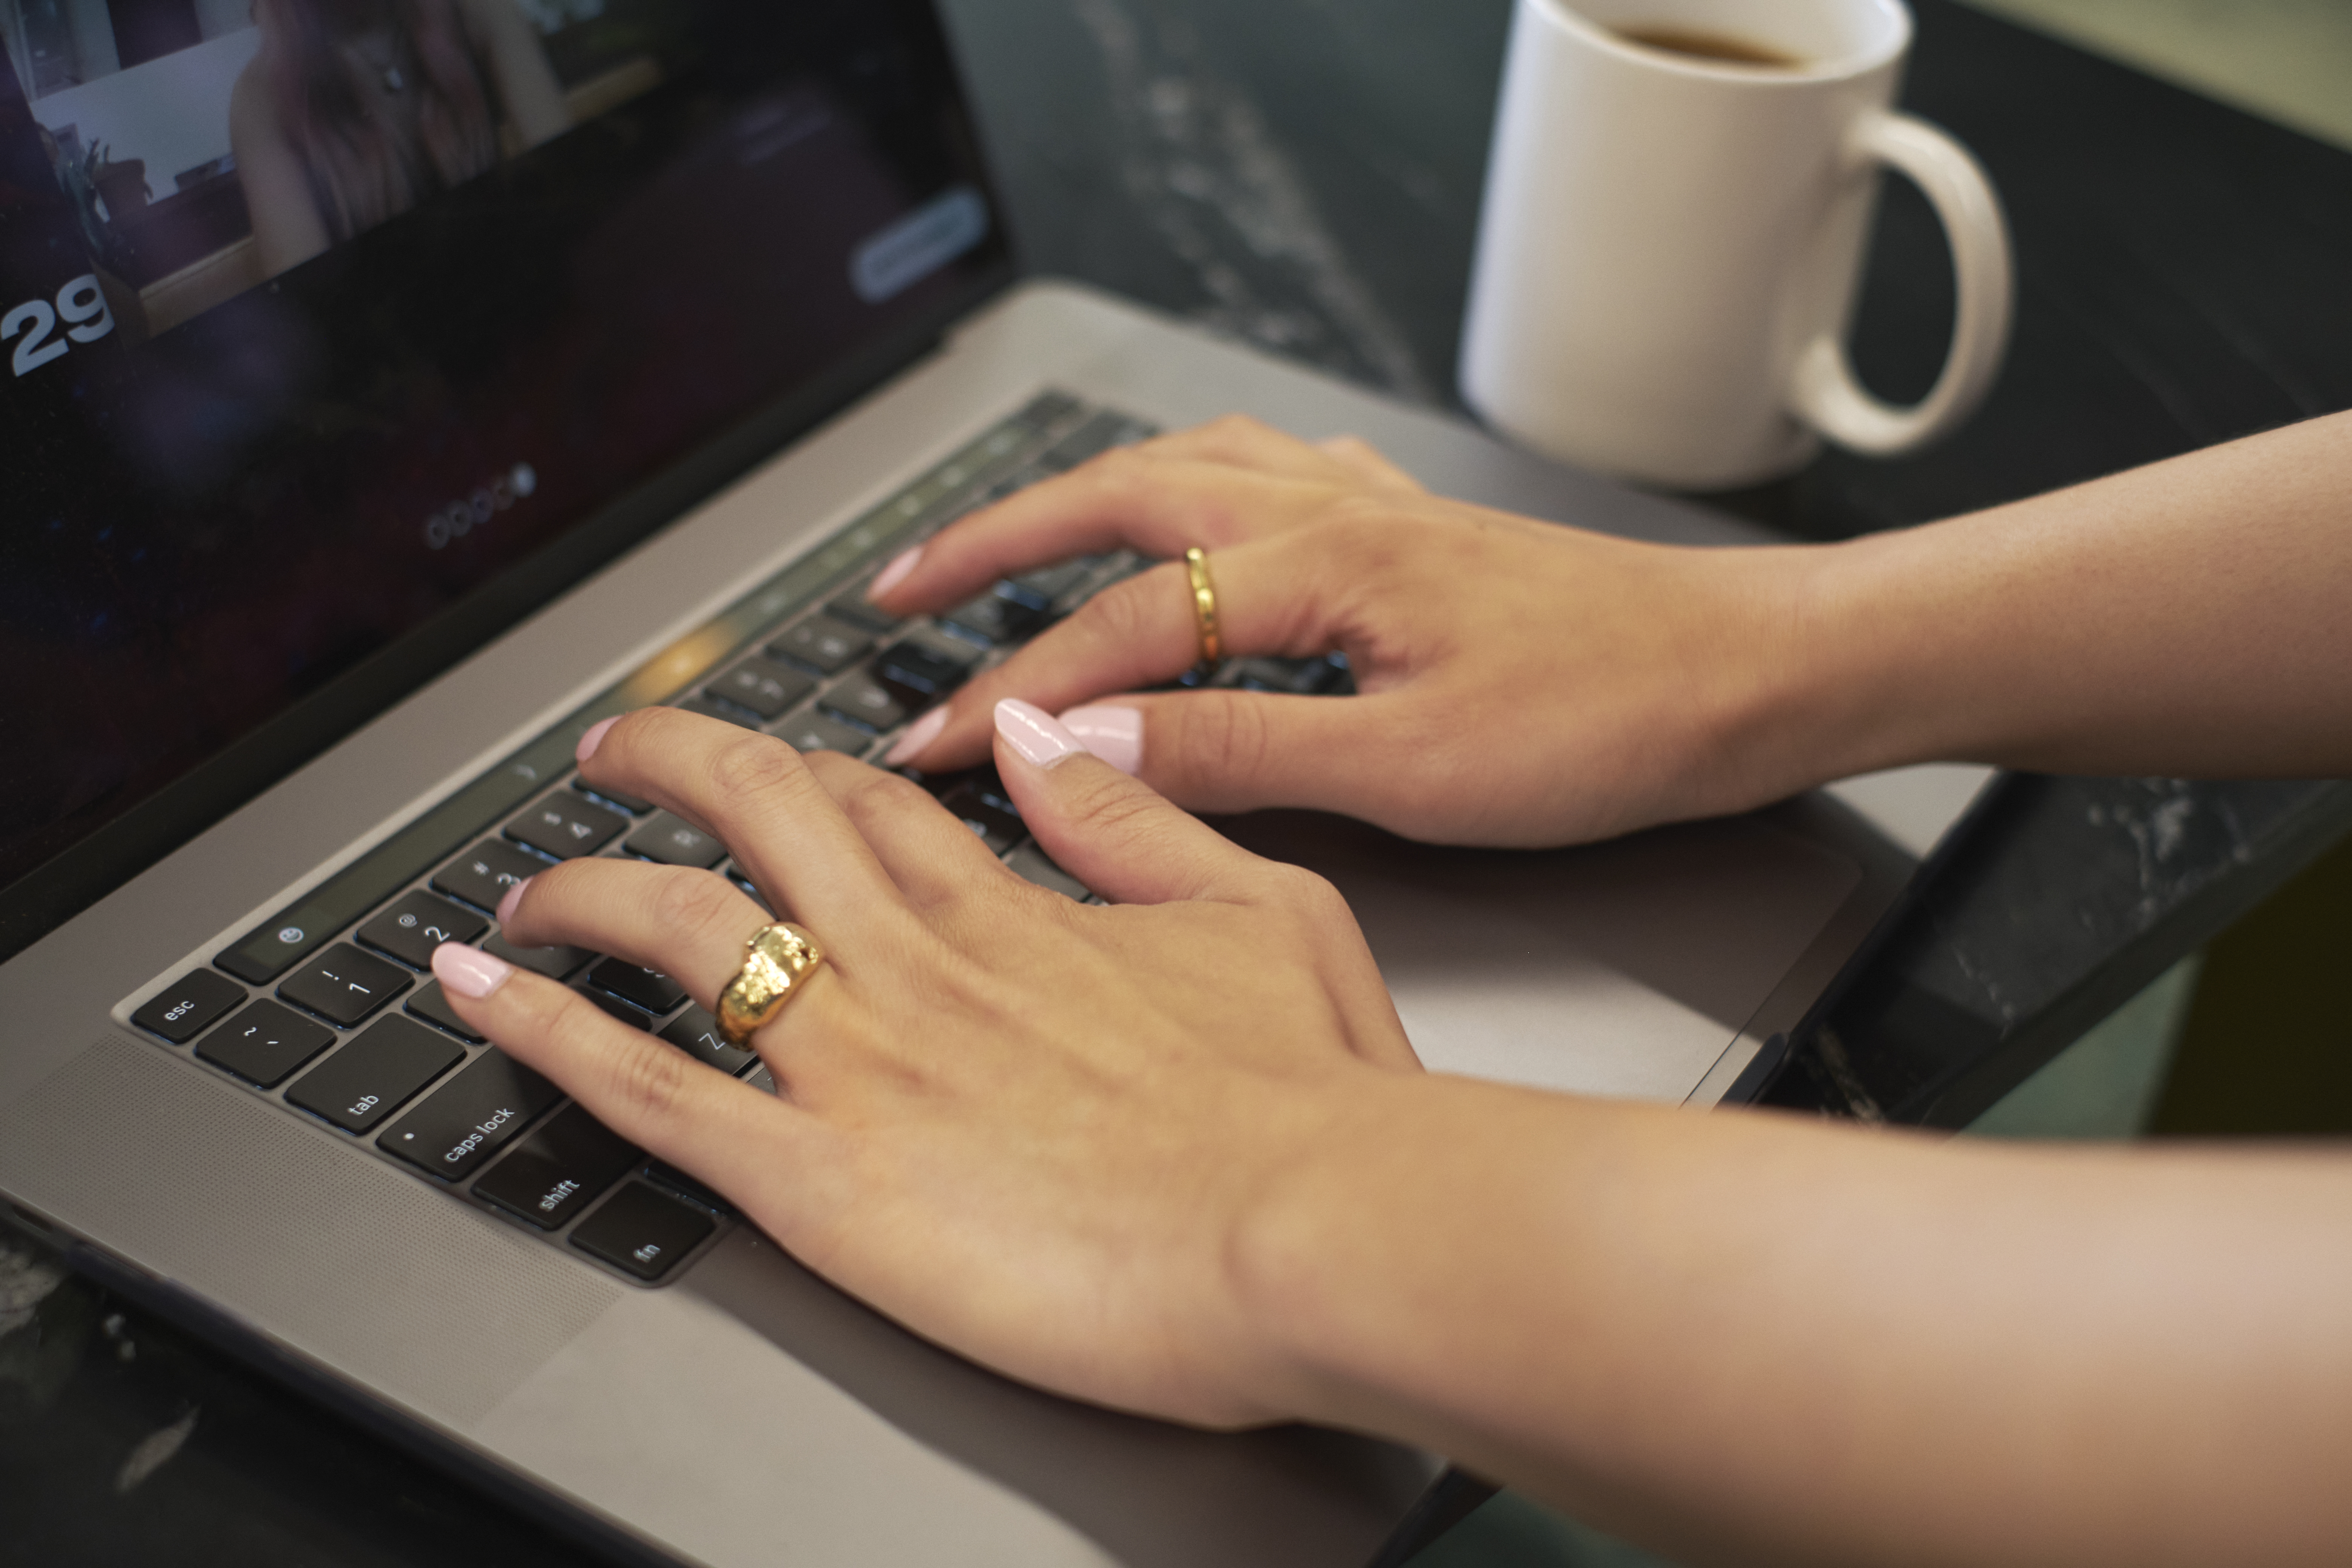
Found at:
<point>209,145</point>
<point>328,324</point>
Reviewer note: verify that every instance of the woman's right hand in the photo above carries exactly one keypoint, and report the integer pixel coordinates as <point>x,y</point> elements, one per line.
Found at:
<point>1519,683</point>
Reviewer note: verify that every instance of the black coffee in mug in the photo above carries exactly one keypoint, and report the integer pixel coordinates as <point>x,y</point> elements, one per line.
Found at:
<point>1699,43</point>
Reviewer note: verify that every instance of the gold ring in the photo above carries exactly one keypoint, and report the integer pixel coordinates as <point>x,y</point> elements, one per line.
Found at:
<point>778,961</point>
<point>1204,607</point>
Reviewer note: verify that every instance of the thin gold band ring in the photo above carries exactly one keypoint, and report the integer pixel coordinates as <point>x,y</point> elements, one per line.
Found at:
<point>1204,607</point>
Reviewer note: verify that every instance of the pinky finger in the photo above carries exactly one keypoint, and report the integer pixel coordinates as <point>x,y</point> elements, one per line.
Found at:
<point>725,1133</point>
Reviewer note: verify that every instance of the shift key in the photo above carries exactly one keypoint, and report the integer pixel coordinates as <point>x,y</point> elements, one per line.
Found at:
<point>470,1118</point>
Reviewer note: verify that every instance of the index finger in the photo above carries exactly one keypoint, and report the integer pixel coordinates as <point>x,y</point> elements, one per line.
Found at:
<point>1275,596</point>
<point>1154,503</point>
<point>754,793</point>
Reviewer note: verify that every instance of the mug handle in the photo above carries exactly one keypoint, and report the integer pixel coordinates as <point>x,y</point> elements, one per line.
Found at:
<point>1823,389</point>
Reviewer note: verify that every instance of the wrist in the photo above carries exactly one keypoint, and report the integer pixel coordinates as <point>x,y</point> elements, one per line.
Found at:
<point>1352,1264</point>
<point>1295,1263</point>
<point>1856,658</point>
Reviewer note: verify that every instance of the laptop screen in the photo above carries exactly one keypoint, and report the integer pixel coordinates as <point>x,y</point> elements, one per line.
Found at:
<point>334,334</point>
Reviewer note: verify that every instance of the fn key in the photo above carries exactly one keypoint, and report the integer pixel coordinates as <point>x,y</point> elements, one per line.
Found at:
<point>642,1231</point>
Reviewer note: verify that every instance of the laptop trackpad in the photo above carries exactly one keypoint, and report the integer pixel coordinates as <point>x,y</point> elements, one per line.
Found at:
<point>1624,968</point>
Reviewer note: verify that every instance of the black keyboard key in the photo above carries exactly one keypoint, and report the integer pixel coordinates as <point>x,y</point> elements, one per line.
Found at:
<point>434,1007</point>
<point>628,803</point>
<point>823,644</point>
<point>483,874</point>
<point>815,732</point>
<point>997,617</point>
<point>566,825</point>
<point>613,1007</point>
<point>649,988</point>
<point>473,1116</point>
<point>991,785</point>
<point>678,1184</point>
<point>643,1230</point>
<point>1012,484</point>
<point>763,686</point>
<point>264,1043</point>
<point>750,891</point>
<point>1122,564</point>
<point>380,1071</point>
<point>999,828</point>
<point>558,1170</point>
<point>556,963</point>
<point>187,1007</point>
<point>1047,408</point>
<point>1031,864</point>
<point>862,699</point>
<point>343,984</point>
<point>711,707</point>
<point>1047,587</point>
<point>1097,436</point>
<point>921,673</point>
<point>1297,677</point>
<point>675,842</point>
<point>418,923</point>
<point>854,608</point>
<point>695,1033</point>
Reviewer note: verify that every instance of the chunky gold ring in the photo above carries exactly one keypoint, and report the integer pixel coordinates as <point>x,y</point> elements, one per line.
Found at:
<point>1204,607</point>
<point>778,961</point>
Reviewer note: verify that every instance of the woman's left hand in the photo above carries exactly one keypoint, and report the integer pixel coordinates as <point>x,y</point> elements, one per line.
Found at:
<point>1035,1131</point>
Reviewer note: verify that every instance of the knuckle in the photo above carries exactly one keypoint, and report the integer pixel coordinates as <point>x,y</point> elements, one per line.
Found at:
<point>687,900</point>
<point>1315,898</point>
<point>1226,738</point>
<point>1113,808</point>
<point>648,1080</point>
<point>1123,472</point>
<point>1121,613</point>
<point>876,795</point>
<point>751,766</point>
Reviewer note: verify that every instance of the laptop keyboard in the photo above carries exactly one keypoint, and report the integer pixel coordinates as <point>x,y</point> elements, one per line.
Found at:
<point>330,1008</point>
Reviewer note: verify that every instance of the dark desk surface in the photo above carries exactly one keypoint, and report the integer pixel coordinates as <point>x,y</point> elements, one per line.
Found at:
<point>1305,174</point>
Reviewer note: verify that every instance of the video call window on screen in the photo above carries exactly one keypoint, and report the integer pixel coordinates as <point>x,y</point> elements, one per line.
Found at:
<point>208,146</point>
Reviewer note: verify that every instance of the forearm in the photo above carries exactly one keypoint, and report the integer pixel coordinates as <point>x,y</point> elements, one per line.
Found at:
<point>2190,617</point>
<point>1733,1335</point>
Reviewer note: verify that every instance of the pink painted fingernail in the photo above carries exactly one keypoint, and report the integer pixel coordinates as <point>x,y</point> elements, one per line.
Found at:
<point>890,576</point>
<point>1036,735</point>
<point>506,905</point>
<point>468,971</point>
<point>593,738</point>
<point>921,734</point>
<point>1110,731</point>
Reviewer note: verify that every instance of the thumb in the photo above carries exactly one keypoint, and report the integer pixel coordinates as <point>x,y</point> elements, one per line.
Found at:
<point>1114,833</point>
<point>1227,752</point>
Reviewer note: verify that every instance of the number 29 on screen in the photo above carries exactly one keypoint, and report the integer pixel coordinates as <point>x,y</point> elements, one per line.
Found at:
<point>81,305</point>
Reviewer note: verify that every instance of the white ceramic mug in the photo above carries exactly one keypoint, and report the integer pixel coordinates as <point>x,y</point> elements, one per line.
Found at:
<point>1670,243</point>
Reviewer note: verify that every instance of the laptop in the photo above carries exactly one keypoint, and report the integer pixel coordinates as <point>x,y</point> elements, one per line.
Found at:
<point>390,406</point>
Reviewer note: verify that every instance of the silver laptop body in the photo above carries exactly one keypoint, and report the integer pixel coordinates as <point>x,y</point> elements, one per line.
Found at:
<point>738,1410</point>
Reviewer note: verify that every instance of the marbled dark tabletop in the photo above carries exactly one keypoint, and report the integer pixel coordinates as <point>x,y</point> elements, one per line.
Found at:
<point>1305,173</point>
